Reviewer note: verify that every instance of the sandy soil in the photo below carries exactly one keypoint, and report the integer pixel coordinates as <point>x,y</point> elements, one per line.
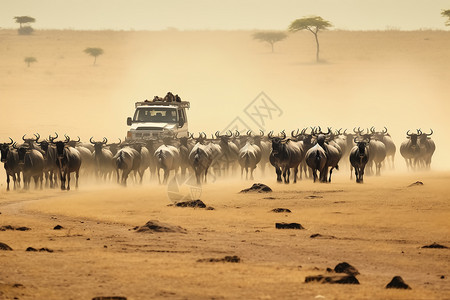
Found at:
<point>378,227</point>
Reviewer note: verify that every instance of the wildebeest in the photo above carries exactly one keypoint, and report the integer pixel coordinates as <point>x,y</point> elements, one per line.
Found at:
<point>50,165</point>
<point>10,159</point>
<point>230,151</point>
<point>200,159</point>
<point>285,154</point>
<point>359,156</point>
<point>427,147</point>
<point>31,162</point>
<point>126,160</point>
<point>68,160</point>
<point>410,150</point>
<point>103,157</point>
<point>249,157</point>
<point>167,158</point>
<point>316,159</point>
<point>386,139</point>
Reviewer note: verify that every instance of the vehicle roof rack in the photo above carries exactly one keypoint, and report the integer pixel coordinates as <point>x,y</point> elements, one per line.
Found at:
<point>182,104</point>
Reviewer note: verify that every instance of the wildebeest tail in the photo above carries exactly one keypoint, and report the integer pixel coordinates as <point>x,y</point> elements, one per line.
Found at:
<point>317,160</point>
<point>120,162</point>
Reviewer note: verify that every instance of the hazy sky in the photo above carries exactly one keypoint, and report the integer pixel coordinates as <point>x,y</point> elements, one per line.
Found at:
<point>224,14</point>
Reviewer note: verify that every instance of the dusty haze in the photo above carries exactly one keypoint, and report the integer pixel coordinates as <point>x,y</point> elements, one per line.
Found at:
<point>382,78</point>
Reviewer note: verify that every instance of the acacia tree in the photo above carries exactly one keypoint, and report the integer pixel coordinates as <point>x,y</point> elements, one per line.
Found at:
<point>313,24</point>
<point>270,37</point>
<point>24,20</point>
<point>29,60</point>
<point>94,52</point>
<point>446,13</point>
<point>25,30</point>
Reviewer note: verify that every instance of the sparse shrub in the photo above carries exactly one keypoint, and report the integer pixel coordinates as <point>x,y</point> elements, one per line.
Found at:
<point>29,60</point>
<point>26,30</point>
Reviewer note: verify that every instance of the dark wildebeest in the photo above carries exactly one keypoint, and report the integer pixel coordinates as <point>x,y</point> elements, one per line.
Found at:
<point>50,166</point>
<point>10,159</point>
<point>410,150</point>
<point>68,160</point>
<point>126,160</point>
<point>333,153</point>
<point>32,164</point>
<point>386,139</point>
<point>103,157</point>
<point>285,154</point>
<point>359,156</point>
<point>427,147</point>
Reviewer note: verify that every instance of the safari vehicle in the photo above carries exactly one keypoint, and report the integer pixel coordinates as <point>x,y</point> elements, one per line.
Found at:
<point>153,119</point>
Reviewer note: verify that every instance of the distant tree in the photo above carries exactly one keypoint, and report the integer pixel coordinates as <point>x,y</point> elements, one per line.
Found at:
<point>94,52</point>
<point>313,24</point>
<point>29,60</point>
<point>270,37</point>
<point>25,30</point>
<point>446,13</point>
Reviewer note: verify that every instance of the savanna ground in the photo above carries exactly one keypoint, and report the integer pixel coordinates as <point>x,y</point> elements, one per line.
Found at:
<point>394,79</point>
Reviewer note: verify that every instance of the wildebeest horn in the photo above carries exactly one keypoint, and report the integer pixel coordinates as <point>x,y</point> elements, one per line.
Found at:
<point>407,133</point>
<point>237,133</point>
<point>14,146</point>
<point>67,139</point>
<point>23,138</point>
<point>431,132</point>
<point>262,132</point>
<point>90,140</point>
<point>354,140</point>
<point>283,133</point>
<point>12,142</point>
<point>292,133</point>
<point>372,129</point>
<point>385,129</point>
<point>52,138</point>
<point>105,140</point>
<point>229,133</point>
<point>270,135</point>
<point>354,130</point>
<point>37,137</point>
<point>217,133</point>
<point>78,139</point>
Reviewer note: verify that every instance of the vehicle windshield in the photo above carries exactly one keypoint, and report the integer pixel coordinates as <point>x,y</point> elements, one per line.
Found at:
<point>154,114</point>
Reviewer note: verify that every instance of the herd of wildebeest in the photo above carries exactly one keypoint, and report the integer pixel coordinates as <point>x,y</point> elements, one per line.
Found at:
<point>309,152</point>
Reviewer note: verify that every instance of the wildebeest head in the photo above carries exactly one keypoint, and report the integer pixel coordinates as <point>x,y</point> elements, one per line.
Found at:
<point>30,142</point>
<point>22,150</point>
<point>424,136</point>
<point>277,142</point>
<point>98,146</point>
<point>4,148</point>
<point>362,145</point>
<point>413,137</point>
<point>60,145</point>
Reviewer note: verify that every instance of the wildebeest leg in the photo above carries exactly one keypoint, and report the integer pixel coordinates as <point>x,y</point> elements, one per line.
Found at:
<point>242,173</point>
<point>251,173</point>
<point>77,174</point>
<point>295,173</point>
<point>206,175</point>
<point>357,176</point>
<point>246,173</point>
<point>7,182</point>
<point>286,174</point>
<point>331,171</point>
<point>166,175</point>
<point>314,172</point>
<point>351,172</point>
<point>159,175</point>
<point>63,179</point>
<point>278,171</point>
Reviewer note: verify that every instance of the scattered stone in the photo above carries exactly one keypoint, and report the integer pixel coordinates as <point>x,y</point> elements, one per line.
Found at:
<point>281,210</point>
<point>5,247</point>
<point>270,198</point>
<point>58,227</point>
<point>45,250</point>
<point>288,226</point>
<point>321,236</point>
<point>397,283</point>
<point>436,245</point>
<point>230,259</point>
<point>330,270</point>
<point>31,249</point>
<point>192,203</point>
<point>9,227</point>
<point>346,268</point>
<point>417,183</point>
<point>335,279</point>
<point>258,188</point>
<point>442,277</point>
<point>313,197</point>
<point>110,298</point>
<point>17,285</point>
<point>156,226</point>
